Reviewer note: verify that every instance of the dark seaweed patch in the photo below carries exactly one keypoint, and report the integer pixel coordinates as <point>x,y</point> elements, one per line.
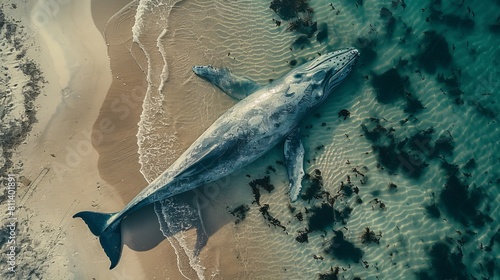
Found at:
<point>304,25</point>
<point>270,169</point>
<point>302,236</point>
<point>460,202</point>
<point>494,28</point>
<point>494,239</point>
<point>240,213</point>
<point>264,183</point>
<point>434,52</point>
<point>313,186</point>
<point>409,155</point>
<point>470,164</point>
<point>272,220</point>
<point>484,110</point>
<point>452,84</point>
<point>342,249</point>
<point>257,184</point>
<point>390,86</point>
<point>445,264</point>
<point>433,210</point>
<point>344,113</point>
<point>321,217</point>
<point>443,147</point>
<point>390,21</point>
<point>322,35</point>
<point>455,21</point>
<point>332,275</point>
<point>301,42</point>
<point>366,46</point>
<point>299,216</point>
<point>413,105</point>
<point>369,236</point>
<point>288,9</point>
<point>298,14</point>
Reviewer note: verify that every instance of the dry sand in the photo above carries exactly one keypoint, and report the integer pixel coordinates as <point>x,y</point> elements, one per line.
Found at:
<point>58,157</point>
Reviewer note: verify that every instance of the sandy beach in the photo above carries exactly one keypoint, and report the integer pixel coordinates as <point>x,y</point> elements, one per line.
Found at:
<point>58,158</point>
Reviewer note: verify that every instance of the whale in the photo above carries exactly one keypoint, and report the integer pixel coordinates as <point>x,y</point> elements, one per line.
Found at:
<point>263,117</point>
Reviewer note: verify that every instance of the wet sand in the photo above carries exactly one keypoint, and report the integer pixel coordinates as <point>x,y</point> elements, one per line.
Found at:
<point>118,158</point>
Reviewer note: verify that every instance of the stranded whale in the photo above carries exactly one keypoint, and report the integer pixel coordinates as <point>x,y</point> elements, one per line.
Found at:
<point>264,117</point>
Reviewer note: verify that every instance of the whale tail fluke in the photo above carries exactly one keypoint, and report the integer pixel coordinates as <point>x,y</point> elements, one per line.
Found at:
<point>109,232</point>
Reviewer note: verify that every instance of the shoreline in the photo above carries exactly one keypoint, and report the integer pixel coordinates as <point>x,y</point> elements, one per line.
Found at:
<point>119,159</point>
<point>118,162</point>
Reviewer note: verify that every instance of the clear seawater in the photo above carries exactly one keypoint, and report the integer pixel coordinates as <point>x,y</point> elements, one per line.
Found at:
<point>416,161</point>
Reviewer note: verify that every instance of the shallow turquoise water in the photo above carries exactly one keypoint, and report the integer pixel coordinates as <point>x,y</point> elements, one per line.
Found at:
<point>419,146</point>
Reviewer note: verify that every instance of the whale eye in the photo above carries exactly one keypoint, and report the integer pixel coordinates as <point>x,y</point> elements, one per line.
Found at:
<point>319,76</point>
<point>298,76</point>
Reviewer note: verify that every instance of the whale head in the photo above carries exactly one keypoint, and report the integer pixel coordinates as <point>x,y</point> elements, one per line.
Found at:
<point>313,81</point>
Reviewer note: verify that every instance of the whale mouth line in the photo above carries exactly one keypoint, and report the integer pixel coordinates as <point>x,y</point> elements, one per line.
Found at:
<point>331,56</point>
<point>331,81</point>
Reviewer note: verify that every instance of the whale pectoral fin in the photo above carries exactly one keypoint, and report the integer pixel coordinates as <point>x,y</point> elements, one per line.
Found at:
<point>294,161</point>
<point>232,85</point>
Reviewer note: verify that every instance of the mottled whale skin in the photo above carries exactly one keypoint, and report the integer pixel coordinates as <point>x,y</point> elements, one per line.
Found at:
<point>264,117</point>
